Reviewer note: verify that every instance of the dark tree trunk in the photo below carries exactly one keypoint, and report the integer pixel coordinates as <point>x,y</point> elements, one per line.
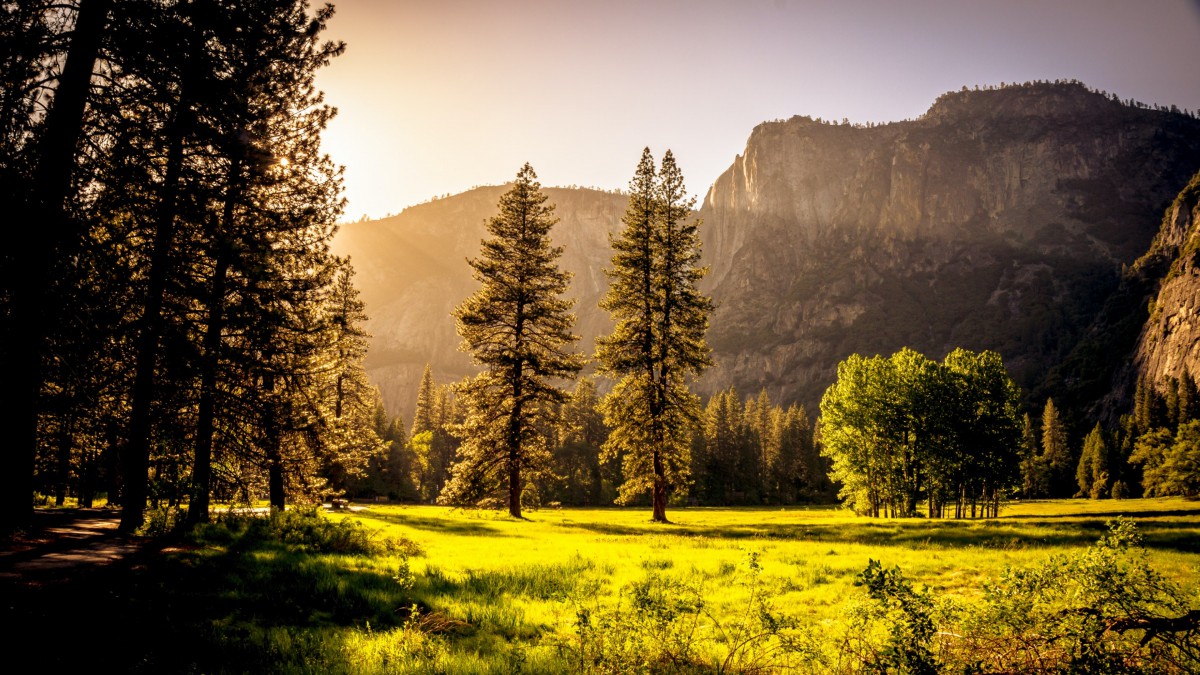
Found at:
<point>198,506</point>
<point>277,495</point>
<point>135,460</point>
<point>206,414</point>
<point>28,323</point>
<point>514,485</point>
<point>660,490</point>
<point>274,446</point>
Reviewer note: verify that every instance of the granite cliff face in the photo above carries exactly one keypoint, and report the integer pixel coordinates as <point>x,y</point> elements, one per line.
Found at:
<point>1000,219</point>
<point>412,271</point>
<point>1170,341</point>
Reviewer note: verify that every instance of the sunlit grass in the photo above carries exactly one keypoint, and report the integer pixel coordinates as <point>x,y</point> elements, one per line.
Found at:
<point>505,584</point>
<point>420,589</point>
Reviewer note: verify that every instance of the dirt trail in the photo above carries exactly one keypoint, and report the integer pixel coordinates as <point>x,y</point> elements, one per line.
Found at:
<point>64,542</point>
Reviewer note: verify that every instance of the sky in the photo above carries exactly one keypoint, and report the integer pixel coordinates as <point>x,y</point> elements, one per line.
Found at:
<point>438,96</point>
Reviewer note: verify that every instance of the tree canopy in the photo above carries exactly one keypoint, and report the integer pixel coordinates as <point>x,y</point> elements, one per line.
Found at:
<point>905,430</point>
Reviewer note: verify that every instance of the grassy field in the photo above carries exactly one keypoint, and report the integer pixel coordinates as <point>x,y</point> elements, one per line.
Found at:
<point>393,589</point>
<point>520,584</point>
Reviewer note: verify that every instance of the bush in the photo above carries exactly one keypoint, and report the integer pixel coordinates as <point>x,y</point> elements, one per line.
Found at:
<point>162,521</point>
<point>304,530</point>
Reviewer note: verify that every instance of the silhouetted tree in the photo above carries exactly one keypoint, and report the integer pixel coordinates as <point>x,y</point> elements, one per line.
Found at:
<point>661,318</point>
<point>518,327</point>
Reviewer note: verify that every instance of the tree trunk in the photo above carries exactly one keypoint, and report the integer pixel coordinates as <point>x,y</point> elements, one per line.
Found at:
<point>514,485</point>
<point>660,490</point>
<point>135,461</point>
<point>210,363</point>
<point>29,319</point>
<point>276,494</point>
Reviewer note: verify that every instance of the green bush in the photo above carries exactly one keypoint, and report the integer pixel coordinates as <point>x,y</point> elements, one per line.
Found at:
<point>304,531</point>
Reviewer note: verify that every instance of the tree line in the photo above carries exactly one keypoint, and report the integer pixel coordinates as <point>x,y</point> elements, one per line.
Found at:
<point>1152,451</point>
<point>176,326</point>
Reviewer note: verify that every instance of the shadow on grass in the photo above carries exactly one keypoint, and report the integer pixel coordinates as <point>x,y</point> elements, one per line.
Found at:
<point>443,525</point>
<point>947,534</point>
<point>242,609</point>
<point>1185,512</point>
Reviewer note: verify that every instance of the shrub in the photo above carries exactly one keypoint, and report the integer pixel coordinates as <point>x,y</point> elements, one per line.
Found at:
<point>304,530</point>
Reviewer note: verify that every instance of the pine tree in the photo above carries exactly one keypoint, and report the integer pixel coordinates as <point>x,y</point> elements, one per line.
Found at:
<point>581,434</point>
<point>423,416</point>
<point>1189,405</point>
<point>661,318</point>
<point>1034,482</point>
<point>517,326</point>
<point>1056,454</point>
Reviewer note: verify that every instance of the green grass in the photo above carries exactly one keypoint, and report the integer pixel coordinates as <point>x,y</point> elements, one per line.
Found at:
<point>513,582</point>
<point>478,591</point>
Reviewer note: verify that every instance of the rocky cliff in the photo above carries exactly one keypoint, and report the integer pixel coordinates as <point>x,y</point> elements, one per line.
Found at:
<point>1000,219</point>
<point>1170,341</point>
<point>412,271</point>
<point>1005,219</point>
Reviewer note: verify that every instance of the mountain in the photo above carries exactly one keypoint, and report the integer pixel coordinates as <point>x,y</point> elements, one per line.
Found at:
<point>1170,340</point>
<point>412,271</point>
<point>1007,219</point>
<point>1000,219</point>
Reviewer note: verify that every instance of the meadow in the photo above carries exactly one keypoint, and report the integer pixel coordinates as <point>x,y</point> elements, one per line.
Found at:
<point>395,589</point>
<point>505,584</point>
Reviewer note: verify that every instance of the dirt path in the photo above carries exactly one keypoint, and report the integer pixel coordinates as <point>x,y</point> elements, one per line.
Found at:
<point>64,542</point>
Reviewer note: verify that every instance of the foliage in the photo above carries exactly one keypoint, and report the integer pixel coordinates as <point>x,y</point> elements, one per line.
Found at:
<point>910,620</point>
<point>1170,462</point>
<point>517,326</point>
<point>905,429</point>
<point>1104,610</point>
<point>658,340</point>
<point>303,530</point>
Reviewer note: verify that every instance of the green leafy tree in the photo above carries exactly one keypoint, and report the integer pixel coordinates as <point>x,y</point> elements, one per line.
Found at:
<point>905,429</point>
<point>659,338</point>
<point>518,327</point>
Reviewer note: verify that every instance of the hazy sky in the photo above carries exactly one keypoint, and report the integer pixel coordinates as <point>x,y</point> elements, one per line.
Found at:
<point>437,96</point>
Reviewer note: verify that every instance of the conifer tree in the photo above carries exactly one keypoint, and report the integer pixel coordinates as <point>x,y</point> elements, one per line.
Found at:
<point>1056,454</point>
<point>1034,482</point>
<point>423,416</point>
<point>518,327</point>
<point>661,318</point>
<point>1189,406</point>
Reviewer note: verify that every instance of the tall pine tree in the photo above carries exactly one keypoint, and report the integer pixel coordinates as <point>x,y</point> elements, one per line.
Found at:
<point>661,318</point>
<point>518,327</point>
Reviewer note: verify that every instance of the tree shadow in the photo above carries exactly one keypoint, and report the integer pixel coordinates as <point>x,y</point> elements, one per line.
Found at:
<point>917,533</point>
<point>444,525</point>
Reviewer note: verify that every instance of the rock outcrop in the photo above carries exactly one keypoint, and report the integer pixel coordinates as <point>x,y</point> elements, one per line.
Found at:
<point>1170,341</point>
<point>1000,219</point>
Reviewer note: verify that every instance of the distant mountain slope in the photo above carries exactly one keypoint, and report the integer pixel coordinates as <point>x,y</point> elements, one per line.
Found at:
<point>1000,219</point>
<point>412,271</point>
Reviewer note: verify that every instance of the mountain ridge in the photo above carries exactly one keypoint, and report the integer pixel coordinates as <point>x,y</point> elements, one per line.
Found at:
<point>1000,219</point>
